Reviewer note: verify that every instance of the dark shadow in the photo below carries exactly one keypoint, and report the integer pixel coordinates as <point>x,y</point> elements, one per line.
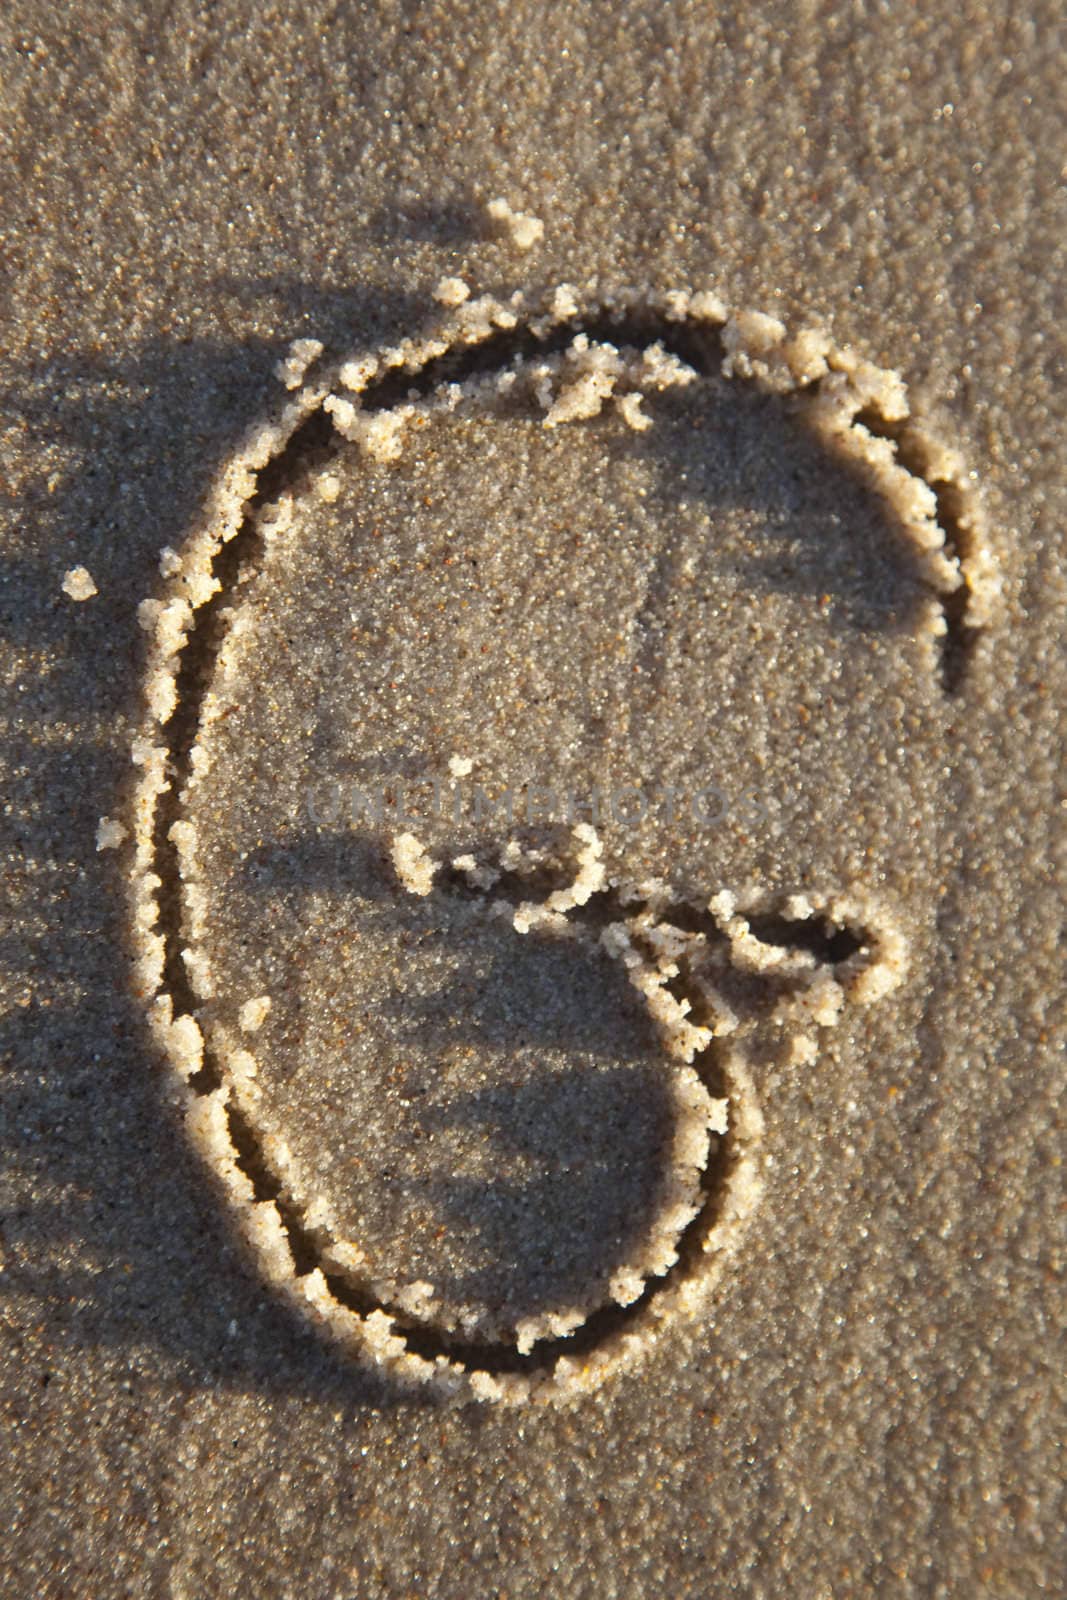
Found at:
<point>451,222</point>
<point>577,1153</point>
<point>338,314</point>
<point>597,1140</point>
<point>113,1232</point>
<point>823,535</point>
<point>536,992</point>
<point>111,1229</point>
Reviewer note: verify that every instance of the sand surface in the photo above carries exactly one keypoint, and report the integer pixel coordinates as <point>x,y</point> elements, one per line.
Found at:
<point>811,1251</point>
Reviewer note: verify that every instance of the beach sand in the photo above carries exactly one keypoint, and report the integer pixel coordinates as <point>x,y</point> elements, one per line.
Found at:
<point>660,1193</point>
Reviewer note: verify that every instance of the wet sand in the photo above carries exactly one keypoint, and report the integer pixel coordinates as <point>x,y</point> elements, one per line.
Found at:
<point>477,1122</point>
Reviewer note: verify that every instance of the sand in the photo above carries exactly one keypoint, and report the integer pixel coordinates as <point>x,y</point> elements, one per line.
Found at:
<point>806,674</point>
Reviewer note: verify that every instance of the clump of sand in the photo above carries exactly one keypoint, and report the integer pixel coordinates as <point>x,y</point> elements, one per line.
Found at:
<point>524,229</point>
<point>413,866</point>
<point>78,584</point>
<point>109,833</point>
<point>293,369</point>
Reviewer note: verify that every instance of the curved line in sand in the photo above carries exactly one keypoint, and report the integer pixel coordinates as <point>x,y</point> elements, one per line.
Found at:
<point>863,414</point>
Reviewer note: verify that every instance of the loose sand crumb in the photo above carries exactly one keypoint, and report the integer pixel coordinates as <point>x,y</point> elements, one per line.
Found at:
<point>302,352</point>
<point>253,1014</point>
<point>452,292</point>
<point>379,434</point>
<point>413,866</point>
<point>357,373</point>
<point>525,230</point>
<point>477,875</point>
<point>460,766</point>
<point>78,584</point>
<point>629,408</point>
<point>582,398</point>
<point>109,834</point>
<point>803,1051</point>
